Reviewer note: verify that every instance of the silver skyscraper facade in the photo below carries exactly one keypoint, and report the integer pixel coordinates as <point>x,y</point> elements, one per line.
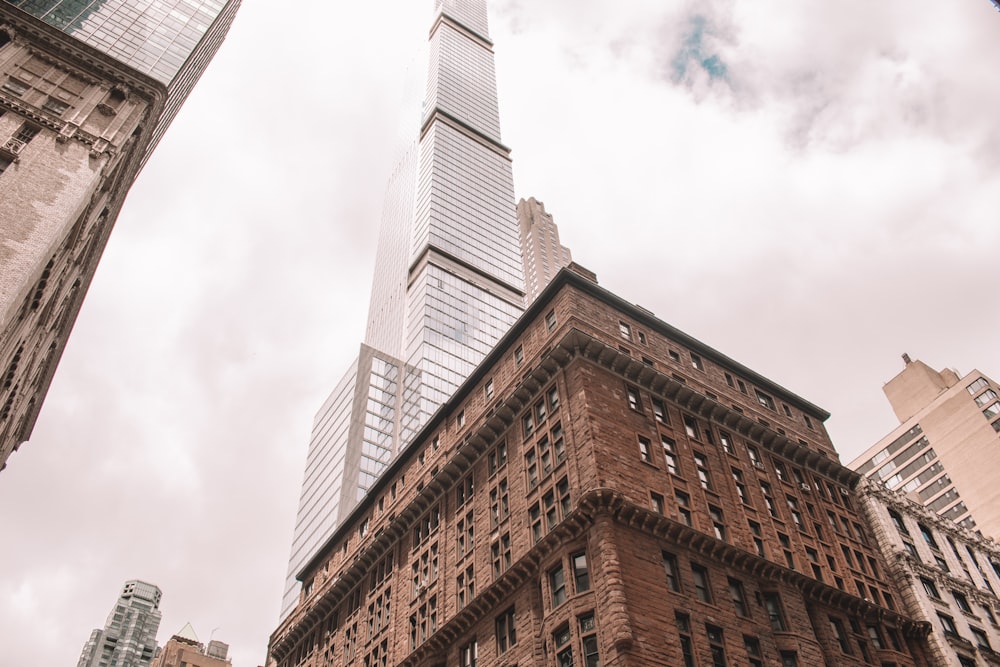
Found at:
<point>448,283</point>
<point>128,638</point>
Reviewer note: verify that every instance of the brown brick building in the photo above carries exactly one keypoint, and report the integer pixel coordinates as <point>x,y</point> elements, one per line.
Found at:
<point>605,490</point>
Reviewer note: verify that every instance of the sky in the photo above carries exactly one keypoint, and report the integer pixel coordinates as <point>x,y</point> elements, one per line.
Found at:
<point>810,187</point>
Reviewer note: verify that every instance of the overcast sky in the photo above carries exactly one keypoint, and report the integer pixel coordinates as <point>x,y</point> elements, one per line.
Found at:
<point>810,187</point>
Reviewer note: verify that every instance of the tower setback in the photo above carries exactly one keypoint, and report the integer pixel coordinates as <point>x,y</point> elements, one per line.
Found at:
<point>129,635</point>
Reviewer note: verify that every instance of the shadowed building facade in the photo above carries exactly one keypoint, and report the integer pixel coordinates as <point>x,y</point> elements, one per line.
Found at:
<point>606,490</point>
<point>87,89</point>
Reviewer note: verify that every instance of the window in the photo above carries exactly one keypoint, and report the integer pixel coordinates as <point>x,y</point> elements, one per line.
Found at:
<point>876,637</point>
<point>634,402</point>
<point>772,604</point>
<point>499,503</point>
<point>15,87</point>
<point>696,362</point>
<point>727,443</point>
<point>670,568</point>
<point>739,597</point>
<point>519,355</point>
<point>488,389</point>
<point>465,528</point>
<point>469,654</point>
<point>465,585</point>
<point>897,520</point>
<point>979,384</point>
<point>645,450</point>
<point>741,489</point>
<point>716,645</point>
<point>718,525</point>
<point>684,632</point>
<point>780,471</point>
<point>55,106</point>
<point>755,457</point>
<point>980,638</point>
<point>550,320</point>
<point>837,630</point>
<point>701,465</point>
<point>691,427</point>
<point>757,537</point>
<point>674,356</point>
<point>793,508</point>
<point>656,502</point>
<point>754,656</point>
<point>625,331</point>
<point>505,631</point>
<point>985,397</point>
<point>553,397</point>
<point>948,624</point>
<point>581,574</point>
<point>497,458</point>
<point>962,602</point>
<point>669,453</point>
<point>702,589</point>
<point>927,535</point>
<point>683,501</point>
<point>528,424</point>
<point>557,585</point>
<point>764,400</point>
<point>659,411</point>
<point>500,552</point>
<point>26,133</point>
<point>535,521</point>
<point>466,488</point>
<point>588,637</point>
<point>561,638</point>
<point>772,509</point>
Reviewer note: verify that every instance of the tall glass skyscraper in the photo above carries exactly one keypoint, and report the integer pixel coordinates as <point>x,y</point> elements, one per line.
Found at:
<point>449,282</point>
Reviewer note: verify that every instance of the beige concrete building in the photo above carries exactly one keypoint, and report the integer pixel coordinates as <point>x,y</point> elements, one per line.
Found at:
<point>184,650</point>
<point>543,254</point>
<point>945,450</point>
<point>948,576</point>
<point>84,98</point>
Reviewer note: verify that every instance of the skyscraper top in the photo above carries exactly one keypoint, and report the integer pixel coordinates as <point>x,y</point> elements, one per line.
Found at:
<point>155,37</point>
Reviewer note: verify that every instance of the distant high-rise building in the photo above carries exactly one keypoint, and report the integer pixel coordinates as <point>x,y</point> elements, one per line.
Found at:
<point>87,90</point>
<point>129,635</point>
<point>543,255</point>
<point>184,650</point>
<point>946,449</point>
<point>449,282</point>
<point>605,489</point>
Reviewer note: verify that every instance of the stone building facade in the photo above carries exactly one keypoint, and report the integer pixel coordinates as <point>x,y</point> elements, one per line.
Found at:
<point>78,119</point>
<point>71,121</point>
<point>605,490</point>
<point>948,576</point>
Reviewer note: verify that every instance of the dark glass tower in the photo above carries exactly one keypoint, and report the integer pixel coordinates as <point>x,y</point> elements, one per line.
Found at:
<point>448,283</point>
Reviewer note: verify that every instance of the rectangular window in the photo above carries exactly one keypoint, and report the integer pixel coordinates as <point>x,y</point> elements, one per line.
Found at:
<point>659,411</point>
<point>469,654</point>
<point>701,465</point>
<point>634,401</point>
<point>758,540</point>
<point>505,632</point>
<point>656,502</point>
<point>718,524</point>
<point>683,501</point>
<point>550,320</point>
<point>754,456</point>
<point>837,630</point>
<point>684,632</point>
<point>499,503</point>
<point>980,638</point>
<point>519,355</point>
<point>696,362</point>
<point>727,443</point>
<point>962,602</point>
<point>588,637</point>
<point>741,489</point>
<point>561,638</point>
<point>488,389</point>
<point>670,567</point>
<point>702,589</point>
<point>581,574</point>
<point>645,450</point>
<point>876,637</point>
<point>716,645</point>
<point>976,386</point>
<point>497,458</point>
<point>26,133</point>
<point>928,536</point>
<point>772,603</point>
<point>669,453</point>
<point>625,331</point>
<point>948,624</point>
<point>557,586</point>
<point>754,656</point>
<point>739,597</point>
<point>500,552</point>
<point>764,400</point>
<point>691,427</point>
